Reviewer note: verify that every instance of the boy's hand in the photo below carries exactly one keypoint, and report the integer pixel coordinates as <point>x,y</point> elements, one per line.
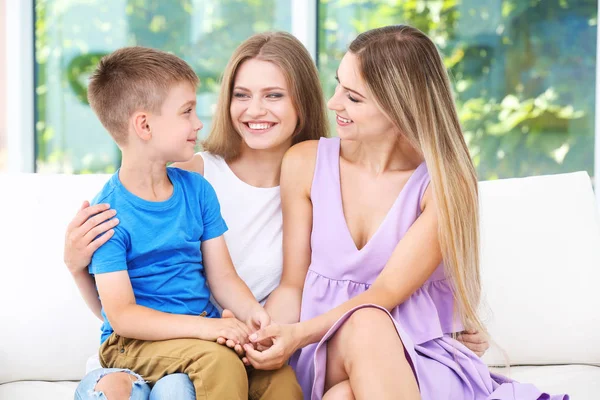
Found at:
<point>230,329</point>
<point>229,342</point>
<point>255,322</point>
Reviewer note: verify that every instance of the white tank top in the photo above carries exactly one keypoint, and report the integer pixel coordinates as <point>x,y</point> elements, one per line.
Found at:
<point>253,215</point>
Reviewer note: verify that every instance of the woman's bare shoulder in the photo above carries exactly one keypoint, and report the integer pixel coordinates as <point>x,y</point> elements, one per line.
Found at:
<point>302,152</point>
<point>195,164</point>
<point>299,162</point>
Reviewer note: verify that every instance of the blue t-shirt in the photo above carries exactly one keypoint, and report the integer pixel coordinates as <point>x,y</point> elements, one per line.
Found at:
<point>158,243</point>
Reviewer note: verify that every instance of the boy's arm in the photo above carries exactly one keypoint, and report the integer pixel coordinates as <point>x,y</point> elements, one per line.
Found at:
<point>90,228</point>
<point>128,319</point>
<point>230,291</point>
<point>133,321</point>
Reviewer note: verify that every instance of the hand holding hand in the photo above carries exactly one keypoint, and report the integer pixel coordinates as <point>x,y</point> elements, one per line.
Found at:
<point>285,340</point>
<point>226,330</point>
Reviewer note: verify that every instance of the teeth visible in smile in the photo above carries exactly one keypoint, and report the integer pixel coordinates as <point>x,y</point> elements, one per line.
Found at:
<point>344,120</point>
<point>259,126</point>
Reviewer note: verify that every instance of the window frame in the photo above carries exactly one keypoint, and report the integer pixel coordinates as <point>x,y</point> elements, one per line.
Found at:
<point>20,85</point>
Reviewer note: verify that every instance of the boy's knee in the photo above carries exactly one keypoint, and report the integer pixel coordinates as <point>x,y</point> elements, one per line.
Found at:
<point>116,385</point>
<point>221,361</point>
<point>276,384</point>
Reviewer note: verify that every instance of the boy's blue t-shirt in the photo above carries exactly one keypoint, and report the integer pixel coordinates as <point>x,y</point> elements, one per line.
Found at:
<point>158,243</point>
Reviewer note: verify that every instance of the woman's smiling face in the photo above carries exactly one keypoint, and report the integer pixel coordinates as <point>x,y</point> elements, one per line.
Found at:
<point>261,106</point>
<point>357,114</point>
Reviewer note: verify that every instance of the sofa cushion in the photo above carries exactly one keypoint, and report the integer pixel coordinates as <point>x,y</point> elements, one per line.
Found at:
<point>47,331</point>
<point>540,261</point>
<point>36,390</point>
<point>540,258</point>
<point>581,382</point>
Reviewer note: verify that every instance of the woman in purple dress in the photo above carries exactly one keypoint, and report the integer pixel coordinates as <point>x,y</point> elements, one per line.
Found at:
<point>381,238</point>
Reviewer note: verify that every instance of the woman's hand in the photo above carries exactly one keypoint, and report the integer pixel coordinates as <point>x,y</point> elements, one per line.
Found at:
<point>286,340</point>
<point>81,239</point>
<point>258,319</point>
<point>475,341</point>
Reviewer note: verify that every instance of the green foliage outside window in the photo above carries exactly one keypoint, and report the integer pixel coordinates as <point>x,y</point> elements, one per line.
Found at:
<point>523,70</point>
<point>523,73</point>
<point>204,33</point>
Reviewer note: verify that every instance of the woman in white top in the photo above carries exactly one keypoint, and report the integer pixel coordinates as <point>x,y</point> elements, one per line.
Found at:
<point>270,99</point>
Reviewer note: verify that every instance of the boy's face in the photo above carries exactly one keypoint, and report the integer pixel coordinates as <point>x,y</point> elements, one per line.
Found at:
<point>175,130</point>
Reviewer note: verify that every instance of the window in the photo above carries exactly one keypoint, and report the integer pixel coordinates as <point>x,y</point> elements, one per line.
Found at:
<point>524,73</point>
<point>72,35</point>
<point>3,152</point>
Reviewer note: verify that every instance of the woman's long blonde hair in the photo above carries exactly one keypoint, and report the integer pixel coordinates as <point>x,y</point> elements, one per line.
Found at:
<point>405,73</point>
<point>302,78</point>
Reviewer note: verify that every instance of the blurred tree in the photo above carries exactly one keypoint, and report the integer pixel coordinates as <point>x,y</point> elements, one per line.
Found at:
<point>204,33</point>
<point>523,73</point>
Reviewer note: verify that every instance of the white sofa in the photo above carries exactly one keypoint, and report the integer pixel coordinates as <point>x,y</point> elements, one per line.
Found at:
<point>540,263</point>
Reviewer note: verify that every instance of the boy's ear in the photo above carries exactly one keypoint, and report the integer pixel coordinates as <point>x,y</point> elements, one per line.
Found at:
<point>141,125</point>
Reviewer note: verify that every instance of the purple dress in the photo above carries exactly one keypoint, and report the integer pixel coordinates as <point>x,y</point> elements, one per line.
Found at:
<point>444,368</point>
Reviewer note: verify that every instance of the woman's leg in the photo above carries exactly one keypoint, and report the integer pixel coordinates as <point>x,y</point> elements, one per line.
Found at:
<point>112,384</point>
<point>368,352</point>
<point>341,391</point>
<point>173,387</point>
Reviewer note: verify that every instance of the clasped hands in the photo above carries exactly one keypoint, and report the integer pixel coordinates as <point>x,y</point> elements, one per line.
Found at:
<point>260,343</point>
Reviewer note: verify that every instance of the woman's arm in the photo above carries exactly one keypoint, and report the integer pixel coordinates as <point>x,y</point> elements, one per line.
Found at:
<point>412,262</point>
<point>297,171</point>
<point>230,291</point>
<point>134,321</point>
<point>90,229</point>
<point>87,288</point>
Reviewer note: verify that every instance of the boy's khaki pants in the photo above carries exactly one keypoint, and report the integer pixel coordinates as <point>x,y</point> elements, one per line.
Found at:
<point>215,370</point>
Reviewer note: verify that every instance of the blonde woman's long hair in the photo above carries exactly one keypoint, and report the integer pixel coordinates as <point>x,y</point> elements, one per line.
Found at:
<point>302,78</point>
<point>405,73</point>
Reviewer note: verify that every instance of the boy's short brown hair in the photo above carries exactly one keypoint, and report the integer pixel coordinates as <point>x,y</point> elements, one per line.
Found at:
<point>132,79</point>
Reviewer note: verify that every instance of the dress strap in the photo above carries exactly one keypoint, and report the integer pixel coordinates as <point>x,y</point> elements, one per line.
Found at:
<point>326,182</point>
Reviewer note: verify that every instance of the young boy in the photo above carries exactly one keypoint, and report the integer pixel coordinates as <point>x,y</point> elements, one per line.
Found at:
<point>153,275</point>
